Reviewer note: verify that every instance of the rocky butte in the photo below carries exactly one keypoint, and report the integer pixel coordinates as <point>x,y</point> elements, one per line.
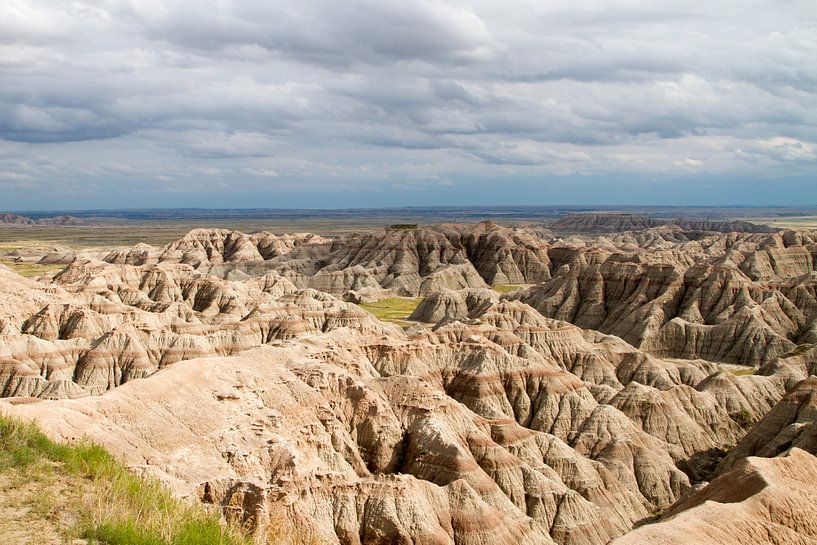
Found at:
<point>594,404</point>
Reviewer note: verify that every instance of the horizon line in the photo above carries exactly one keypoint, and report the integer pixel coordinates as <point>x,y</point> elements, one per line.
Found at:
<point>412,207</point>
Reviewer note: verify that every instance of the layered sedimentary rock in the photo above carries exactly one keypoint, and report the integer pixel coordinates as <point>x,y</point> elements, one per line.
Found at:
<point>538,459</point>
<point>105,325</point>
<point>738,297</point>
<point>447,305</point>
<point>313,428</point>
<point>759,501</point>
<point>228,366</point>
<point>616,222</point>
<point>793,366</point>
<point>745,300</point>
<point>600,222</point>
<point>791,423</point>
<point>403,261</point>
<point>213,247</point>
<point>16,219</point>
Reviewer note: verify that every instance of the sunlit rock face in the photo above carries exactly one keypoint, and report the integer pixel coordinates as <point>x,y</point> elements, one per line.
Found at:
<point>571,411</point>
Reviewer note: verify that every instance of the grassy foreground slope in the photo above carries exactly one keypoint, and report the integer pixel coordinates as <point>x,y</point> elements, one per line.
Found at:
<point>55,493</point>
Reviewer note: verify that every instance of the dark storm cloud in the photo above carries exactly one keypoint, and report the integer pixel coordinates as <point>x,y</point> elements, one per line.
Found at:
<point>373,92</point>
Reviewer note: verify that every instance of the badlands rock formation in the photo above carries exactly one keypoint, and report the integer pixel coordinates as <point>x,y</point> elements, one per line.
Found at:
<point>791,423</point>
<point>16,219</point>
<point>446,305</point>
<point>404,262</point>
<point>100,326</point>
<point>762,500</point>
<point>732,298</point>
<point>230,366</point>
<point>617,222</point>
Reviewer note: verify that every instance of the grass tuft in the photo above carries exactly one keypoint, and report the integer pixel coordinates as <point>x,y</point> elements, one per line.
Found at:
<point>124,508</point>
<point>123,532</point>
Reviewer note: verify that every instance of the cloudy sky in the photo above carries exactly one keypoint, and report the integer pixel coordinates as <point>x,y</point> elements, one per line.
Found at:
<point>327,103</point>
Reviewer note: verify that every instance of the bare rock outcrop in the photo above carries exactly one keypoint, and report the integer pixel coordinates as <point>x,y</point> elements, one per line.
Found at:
<point>761,501</point>
<point>406,262</point>
<point>16,219</point>
<point>105,325</point>
<point>726,307</point>
<point>596,222</point>
<point>791,423</point>
<point>447,305</point>
<point>569,412</point>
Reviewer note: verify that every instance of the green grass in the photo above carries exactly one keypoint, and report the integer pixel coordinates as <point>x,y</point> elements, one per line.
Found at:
<point>743,372</point>
<point>506,288</point>
<point>393,309</point>
<point>801,349</point>
<point>744,419</point>
<point>123,509</point>
<point>30,270</point>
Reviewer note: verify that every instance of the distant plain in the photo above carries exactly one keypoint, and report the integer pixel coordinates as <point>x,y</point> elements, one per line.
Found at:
<point>158,227</point>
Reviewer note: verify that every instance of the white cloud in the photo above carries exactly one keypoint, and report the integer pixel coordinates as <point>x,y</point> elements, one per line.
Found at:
<point>263,172</point>
<point>378,91</point>
<point>688,162</point>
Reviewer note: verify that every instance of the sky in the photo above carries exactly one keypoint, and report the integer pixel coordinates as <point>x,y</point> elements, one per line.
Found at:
<point>327,103</point>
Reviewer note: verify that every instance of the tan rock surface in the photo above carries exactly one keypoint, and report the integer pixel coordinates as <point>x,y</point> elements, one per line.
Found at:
<point>229,367</point>
<point>761,501</point>
<point>740,298</point>
<point>791,423</point>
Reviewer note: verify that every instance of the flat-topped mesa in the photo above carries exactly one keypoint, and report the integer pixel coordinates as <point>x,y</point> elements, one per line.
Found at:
<point>599,222</point>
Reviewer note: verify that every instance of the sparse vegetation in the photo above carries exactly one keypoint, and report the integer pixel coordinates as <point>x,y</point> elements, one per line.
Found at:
<point>393,309</point>
<point>111,506</point>
<point>801,349</point>
<point>743,372</point>
<point>507,288</point>
<point>743,418</point>
<point>31,270</point>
